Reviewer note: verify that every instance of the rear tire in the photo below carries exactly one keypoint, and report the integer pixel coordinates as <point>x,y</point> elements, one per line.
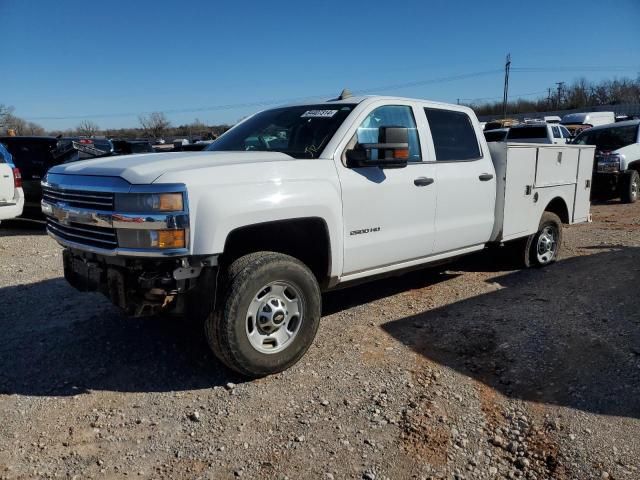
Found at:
<point>267,314</point>
<point>630,187</point>
<point>541,248</point>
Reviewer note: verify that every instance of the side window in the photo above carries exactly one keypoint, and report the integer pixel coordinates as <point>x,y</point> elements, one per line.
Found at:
<point>390,116</point>
<point>453,135</point>
<point>565,133</point>
<point>556,132</point>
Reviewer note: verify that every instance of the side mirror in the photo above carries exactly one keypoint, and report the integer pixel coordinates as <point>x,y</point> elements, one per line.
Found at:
<point>391,151</point>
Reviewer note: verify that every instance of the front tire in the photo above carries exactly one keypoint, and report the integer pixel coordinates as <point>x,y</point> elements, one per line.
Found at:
<point>630,187</point>
<point>267,316</point>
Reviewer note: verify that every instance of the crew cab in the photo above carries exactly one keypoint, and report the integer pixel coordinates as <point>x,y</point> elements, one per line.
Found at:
<point>299,199</point>
<point>617,168</point>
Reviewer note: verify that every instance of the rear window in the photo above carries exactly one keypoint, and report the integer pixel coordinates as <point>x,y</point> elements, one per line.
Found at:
<point>609,138</point>
<point>453,135</point>
<point>497,136</point>
<point>527,132</point>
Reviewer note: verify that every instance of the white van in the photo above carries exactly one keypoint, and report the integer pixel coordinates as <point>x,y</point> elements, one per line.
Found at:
<point>576,122</point>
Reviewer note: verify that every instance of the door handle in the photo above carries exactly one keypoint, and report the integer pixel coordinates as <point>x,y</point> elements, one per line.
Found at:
<point>485,177</point>
<point>423,181</point>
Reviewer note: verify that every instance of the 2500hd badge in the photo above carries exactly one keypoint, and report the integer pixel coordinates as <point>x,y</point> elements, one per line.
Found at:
<point>364,230</point>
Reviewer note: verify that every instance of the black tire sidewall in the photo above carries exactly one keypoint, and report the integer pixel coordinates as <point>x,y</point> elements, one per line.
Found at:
<point>626,196</point>
<point>249,360</point>
<point>548,219</point>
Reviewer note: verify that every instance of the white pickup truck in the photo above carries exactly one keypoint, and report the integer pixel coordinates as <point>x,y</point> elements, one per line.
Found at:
<point>300,199</point>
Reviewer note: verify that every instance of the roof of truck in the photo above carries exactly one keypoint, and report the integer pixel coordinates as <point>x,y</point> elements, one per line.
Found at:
<point>626,123</point>
<point>361,98</point>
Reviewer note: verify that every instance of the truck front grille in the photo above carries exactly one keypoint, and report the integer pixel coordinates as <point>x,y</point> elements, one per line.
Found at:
<point>100,237</point>
<point>80,199</point>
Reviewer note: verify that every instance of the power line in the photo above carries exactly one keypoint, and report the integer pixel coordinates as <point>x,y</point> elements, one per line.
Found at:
<point>383,88</point>
<point>261,103</point>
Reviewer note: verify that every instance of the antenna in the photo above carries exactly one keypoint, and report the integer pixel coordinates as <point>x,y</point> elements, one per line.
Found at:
<point>346,93</point>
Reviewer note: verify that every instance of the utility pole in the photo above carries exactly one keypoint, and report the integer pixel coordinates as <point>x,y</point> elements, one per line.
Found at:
<point>560,87</point>
<point>507,67</point>
<point>548,97</point>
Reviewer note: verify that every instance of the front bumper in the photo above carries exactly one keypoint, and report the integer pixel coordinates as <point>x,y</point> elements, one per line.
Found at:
<point>139,286</point>
<point>606,183</point>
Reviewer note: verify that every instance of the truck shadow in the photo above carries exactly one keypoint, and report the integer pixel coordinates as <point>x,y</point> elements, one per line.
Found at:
<point>565,335</point>
<point>58,342</point>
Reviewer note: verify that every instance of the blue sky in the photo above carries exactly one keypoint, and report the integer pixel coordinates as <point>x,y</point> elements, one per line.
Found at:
<point>108,61</point>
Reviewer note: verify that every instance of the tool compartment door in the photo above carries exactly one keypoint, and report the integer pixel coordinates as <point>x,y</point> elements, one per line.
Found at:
<point>582,203</point>
<point>519,209</point>
<point>556,166</point>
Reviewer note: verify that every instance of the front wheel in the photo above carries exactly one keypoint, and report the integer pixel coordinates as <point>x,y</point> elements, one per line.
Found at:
<point>268,314</point>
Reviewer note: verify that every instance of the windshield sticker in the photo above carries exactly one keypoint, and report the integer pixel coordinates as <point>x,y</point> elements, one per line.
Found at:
<point>319,114</point>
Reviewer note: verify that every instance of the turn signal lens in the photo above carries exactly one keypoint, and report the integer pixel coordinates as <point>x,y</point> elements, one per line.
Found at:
<point>170,239</point>
<point>171,202</point>
<point>401,153</point>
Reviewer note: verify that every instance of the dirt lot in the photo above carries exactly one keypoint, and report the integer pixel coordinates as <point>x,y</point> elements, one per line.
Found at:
<point>467,371</point>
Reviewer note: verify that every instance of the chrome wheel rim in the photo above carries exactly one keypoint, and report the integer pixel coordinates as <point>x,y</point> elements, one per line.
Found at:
<point>635,186</point>
<point>274,317</point>
<point>547,244</point>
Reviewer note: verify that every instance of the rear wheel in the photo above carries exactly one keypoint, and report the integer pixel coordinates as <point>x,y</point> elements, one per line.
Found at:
<point>630,187</point>
<point>268,314</point>
<point>543,247</point>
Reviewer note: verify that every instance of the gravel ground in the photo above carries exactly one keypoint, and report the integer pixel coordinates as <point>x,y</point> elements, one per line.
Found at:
<point>467,371</point>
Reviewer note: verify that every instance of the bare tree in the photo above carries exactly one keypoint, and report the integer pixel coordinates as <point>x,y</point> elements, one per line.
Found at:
<point>87,128</point>
<point>5,112</point>
<point>155,124</point>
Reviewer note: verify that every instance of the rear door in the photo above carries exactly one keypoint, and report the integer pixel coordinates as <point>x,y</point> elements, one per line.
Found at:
<point>466,183</point>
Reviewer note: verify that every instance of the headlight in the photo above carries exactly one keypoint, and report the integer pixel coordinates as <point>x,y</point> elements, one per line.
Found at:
<point>149,202</point>
<point>151,238</point>
<point>609,163</point>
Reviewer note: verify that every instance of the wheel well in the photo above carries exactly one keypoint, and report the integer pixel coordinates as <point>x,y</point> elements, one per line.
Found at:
<point>306,239</point>
<point>559,207</point>
<point>635,165</point>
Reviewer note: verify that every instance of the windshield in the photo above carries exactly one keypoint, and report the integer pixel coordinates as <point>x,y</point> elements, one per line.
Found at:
<point>300,131</point>
<point>609,138</point>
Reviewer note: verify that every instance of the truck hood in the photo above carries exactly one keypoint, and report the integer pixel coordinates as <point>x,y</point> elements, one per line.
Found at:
<point>146,168</point>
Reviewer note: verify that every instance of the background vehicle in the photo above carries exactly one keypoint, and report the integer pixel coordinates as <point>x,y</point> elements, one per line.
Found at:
<point>300,199</point>
<point>617,166</point>
<point>577,122</point>
<point>11,194</point>
<point>34,156</point>
<point>538,133</point>
<point>127,147</point>
<point>497,135</point>
<point>501,123</point>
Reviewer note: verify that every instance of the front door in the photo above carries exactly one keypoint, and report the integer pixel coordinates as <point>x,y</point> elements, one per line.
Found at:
<point>388,213</point>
